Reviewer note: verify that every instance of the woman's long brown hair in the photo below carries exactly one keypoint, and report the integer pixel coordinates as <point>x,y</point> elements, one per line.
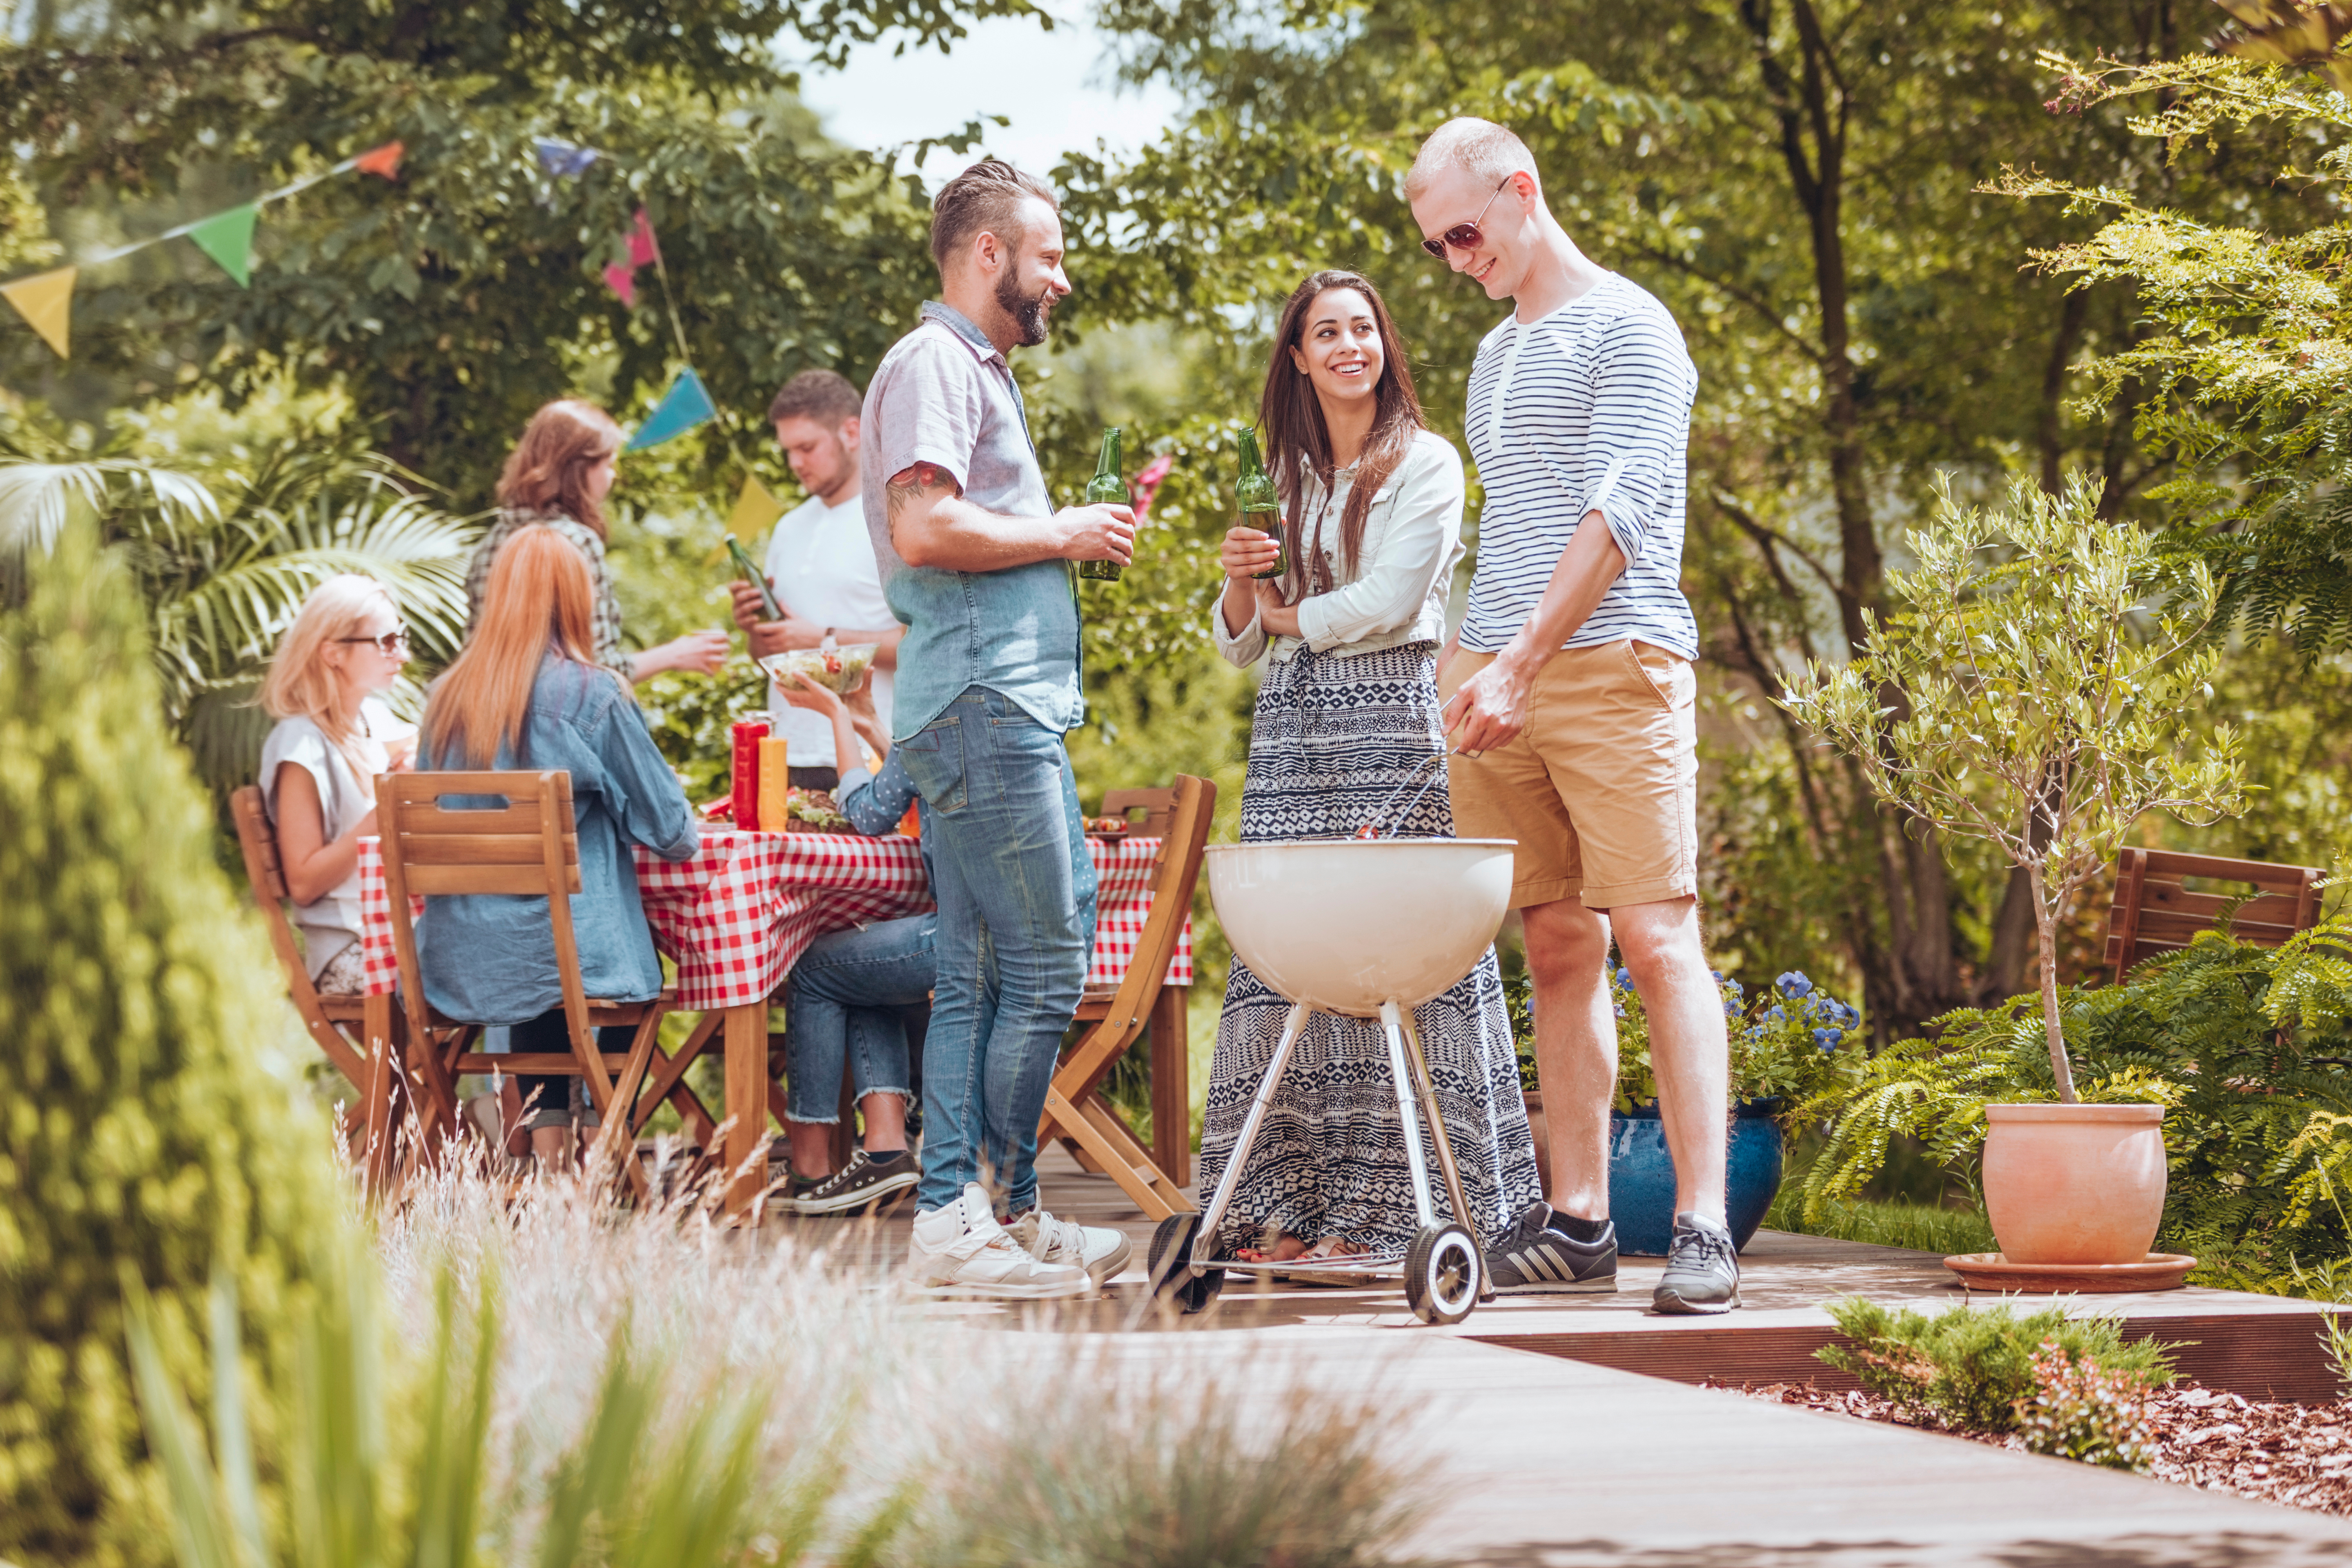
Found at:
<point>539,601</point>
<point>547,470</point>
<point>1298,443</point>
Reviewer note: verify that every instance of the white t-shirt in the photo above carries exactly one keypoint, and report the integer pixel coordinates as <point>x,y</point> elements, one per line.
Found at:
<point>332,923</point>
<point>820,566</point>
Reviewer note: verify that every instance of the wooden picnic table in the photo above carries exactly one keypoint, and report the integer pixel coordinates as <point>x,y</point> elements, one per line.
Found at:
<point>737,914</point>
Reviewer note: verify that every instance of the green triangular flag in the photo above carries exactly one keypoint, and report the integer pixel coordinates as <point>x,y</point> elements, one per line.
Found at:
<point>685,405</point>
<point>228,238</point>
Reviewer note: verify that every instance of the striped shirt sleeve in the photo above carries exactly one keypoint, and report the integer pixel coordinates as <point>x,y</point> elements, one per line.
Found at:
<point>1640,395</point>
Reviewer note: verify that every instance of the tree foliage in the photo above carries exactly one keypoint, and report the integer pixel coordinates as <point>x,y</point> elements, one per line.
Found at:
<point>2032,695</point>
<point>1800,181</point>
<point>148,1121</point>
<point>223,559</point>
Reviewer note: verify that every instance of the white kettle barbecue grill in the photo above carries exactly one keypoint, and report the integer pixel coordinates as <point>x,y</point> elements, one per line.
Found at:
<point>1366,928</point>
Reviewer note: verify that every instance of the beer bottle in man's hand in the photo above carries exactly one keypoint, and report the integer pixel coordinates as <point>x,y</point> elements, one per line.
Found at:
<point>1260,508</point>
<point>1106,488</point>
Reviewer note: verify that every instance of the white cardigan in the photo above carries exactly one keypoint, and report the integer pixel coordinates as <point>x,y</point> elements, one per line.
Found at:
<point>1412,538</point>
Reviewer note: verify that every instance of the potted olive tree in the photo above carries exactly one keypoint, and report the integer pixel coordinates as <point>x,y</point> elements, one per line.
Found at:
<point>2029,693</point>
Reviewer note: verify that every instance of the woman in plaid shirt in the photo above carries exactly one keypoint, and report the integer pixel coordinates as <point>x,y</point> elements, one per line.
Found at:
<point>559,475</point>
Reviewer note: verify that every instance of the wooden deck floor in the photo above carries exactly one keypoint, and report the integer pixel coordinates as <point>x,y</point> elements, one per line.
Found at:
<point>1558,1451</point>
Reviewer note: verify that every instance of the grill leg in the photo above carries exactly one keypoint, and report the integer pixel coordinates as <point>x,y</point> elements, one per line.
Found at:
<point>1446,1168</point>
<point>1392,1027</point>
<point>1205,1240</point>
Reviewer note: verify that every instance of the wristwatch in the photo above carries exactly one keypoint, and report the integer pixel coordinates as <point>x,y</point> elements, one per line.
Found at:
<point>830,642</point>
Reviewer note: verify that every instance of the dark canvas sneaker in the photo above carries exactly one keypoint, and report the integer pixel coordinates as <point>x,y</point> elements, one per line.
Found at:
<point>861,1184</point>
<point>1531,1258</point>
<point>1702,1270</point>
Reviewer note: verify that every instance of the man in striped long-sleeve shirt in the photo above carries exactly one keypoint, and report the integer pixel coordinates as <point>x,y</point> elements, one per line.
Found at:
<point>1571,697</point>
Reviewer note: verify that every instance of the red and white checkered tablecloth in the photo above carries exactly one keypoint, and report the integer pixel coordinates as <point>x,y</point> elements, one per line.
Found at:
<point>739,912</point>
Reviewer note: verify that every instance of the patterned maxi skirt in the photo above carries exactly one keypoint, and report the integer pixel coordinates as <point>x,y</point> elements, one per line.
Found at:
<point>1334,739</point>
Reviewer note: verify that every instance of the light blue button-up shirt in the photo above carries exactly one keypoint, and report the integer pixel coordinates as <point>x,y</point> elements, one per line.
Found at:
<point>945,396</point>
<point>490,958</point>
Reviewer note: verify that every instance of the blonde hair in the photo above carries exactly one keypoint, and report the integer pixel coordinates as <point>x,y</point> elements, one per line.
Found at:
<point>301,683</point>
<point>539,601</point>
<point>1486,150</point>
<point>547,470</point>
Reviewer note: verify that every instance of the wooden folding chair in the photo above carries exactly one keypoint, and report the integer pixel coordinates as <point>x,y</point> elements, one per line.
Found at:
<point>529,847</point>
<point>2154,912</point>
<point>335,1023</point>
<point>1075,1108</point>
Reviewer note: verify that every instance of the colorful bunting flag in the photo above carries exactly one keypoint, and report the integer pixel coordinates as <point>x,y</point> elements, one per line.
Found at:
<point>685,405</point>
<point>642,248</point>
<point>561,159</point>
<point>755,511</point>
<point>46,302</point>
<point>1146,485</point>
<point>228,238</point>
<point>384,161</point>
<point>622,281</point>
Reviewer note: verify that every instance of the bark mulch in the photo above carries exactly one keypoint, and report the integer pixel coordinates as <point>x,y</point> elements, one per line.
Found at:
<point>2300,1455</point>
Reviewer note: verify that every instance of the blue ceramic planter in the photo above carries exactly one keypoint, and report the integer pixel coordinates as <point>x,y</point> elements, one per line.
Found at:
<point>1641,1177</point>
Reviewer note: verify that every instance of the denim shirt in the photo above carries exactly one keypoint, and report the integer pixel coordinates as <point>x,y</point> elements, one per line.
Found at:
<point>490,958</point>
<point>945,396</point>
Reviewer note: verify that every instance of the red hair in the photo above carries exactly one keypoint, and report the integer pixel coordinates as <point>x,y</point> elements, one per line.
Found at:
<point>539,601</point>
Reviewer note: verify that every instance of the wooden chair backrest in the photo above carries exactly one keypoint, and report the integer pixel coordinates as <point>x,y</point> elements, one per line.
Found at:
<point>1158,805</point>
<point>529,846</point>
<point>266,873</point>
<point>1180,817</point>
<point>2154,912</point>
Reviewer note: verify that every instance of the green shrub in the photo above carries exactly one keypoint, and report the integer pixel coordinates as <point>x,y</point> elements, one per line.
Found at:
<point>2083,1411</point>
<point>1971,1369</point>
<point>146,1111</point>
<point>1924,1227</point>
<point>2246,1046</point>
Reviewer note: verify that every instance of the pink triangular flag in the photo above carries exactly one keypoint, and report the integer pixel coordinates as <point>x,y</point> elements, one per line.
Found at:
<point>384,161</point>
<point>642,248</point>
<point>622,281</point>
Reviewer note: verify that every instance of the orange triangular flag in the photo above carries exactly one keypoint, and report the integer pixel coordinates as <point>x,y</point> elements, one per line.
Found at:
<point>383,160</point>
<point>46,302</point>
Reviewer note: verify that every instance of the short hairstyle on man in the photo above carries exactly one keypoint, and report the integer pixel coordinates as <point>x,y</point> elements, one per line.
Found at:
<point>824,396</point>
<point>1488,150</point>
<point>988,195</point>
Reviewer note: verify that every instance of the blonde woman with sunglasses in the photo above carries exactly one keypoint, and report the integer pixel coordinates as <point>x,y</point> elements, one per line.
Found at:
<point>333,735</point>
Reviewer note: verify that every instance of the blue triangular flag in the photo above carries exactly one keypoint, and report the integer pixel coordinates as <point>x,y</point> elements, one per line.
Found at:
<point>561,158</point>
<point>685,405</point>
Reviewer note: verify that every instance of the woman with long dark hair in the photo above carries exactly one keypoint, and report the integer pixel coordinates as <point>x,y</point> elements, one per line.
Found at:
<point>1347,733</point>
<point>558,477</point>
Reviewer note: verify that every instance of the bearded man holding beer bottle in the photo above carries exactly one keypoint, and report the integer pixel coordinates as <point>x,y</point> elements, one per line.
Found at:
<point>977,564</point>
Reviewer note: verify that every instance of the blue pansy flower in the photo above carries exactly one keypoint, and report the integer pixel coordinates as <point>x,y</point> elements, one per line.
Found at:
<point>1794,985</point>
<point>1828,1039</point>
<point>1624,976</point>
<point>1777,1015</point>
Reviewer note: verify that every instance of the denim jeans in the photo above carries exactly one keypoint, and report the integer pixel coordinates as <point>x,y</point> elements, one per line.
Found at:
<point>1016,891</point>
<point>843,1007</point>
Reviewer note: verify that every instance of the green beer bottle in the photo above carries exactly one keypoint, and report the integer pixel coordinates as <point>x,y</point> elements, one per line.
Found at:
<point>1260,508</point>
<point>753,576</point>
<point>1106,488</point>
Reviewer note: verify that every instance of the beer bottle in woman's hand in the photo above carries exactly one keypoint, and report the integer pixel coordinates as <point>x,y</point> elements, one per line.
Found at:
<point>1259,506</point>
<point>1106,488</point>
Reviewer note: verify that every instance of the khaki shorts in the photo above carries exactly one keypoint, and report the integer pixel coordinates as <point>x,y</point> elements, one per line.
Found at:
<point>1601,788</point>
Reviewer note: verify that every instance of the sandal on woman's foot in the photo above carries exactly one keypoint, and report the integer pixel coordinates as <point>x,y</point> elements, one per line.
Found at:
<point>1269,1248</point>
<point>1330,1249</point>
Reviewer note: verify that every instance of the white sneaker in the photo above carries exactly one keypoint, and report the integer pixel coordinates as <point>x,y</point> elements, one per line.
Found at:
<point>1100,1251</point>
<point>962,1247</point>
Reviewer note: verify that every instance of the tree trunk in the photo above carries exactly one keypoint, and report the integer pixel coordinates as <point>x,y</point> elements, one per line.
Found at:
<point>2045,925</point>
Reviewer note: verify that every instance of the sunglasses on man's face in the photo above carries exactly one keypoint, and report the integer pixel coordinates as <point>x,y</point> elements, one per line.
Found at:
<point>392,645</point>
<point>1464,236</point>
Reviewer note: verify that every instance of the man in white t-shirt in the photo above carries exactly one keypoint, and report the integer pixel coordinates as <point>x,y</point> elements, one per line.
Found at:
<point>821,567</point>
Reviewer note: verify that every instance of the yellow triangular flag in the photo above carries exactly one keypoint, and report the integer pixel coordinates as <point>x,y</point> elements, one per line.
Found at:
<point>755,511</point>
<point>46,302</point>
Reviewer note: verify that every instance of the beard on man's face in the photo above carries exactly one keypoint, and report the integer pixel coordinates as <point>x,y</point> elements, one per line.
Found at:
<point>1028,314</point>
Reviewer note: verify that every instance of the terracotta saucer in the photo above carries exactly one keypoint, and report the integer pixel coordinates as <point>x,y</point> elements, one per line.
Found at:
<point>1992,1271</point>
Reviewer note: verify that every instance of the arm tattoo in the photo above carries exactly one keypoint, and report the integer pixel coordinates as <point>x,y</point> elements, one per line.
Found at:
<point>905,487</point>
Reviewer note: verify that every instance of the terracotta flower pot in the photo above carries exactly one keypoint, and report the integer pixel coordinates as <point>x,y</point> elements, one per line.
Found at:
<point>2074,1184</point>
